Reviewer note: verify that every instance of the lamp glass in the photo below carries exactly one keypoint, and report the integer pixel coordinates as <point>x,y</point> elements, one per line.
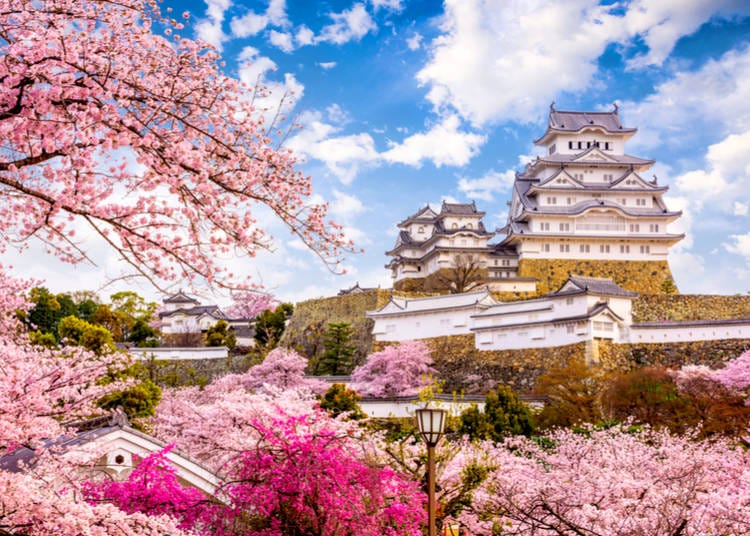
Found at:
<point>431,423</point>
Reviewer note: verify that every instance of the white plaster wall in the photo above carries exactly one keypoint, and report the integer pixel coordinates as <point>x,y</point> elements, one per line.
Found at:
<point>422,325</point>
<point>177,354</point>
<point>669,333</point>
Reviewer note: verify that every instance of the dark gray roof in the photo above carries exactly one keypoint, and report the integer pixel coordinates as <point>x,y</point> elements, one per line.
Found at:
<point>356,289</point>
<point>594,285</point>
<point>574,121</point>
<point>557,159</point>
<point>180,297</point>
<point>423,215</point>
<point>460,208</point>
<point>595,310</point>
<point>211,310</point>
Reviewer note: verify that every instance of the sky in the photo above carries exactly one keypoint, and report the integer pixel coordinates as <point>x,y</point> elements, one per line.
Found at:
<point>404,103</point>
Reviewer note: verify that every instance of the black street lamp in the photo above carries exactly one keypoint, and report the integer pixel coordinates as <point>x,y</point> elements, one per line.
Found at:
<point>431,424</point>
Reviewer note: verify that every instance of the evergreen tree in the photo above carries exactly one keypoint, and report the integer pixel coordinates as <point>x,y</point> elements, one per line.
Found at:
<point>220,335</point>
<point>505,414</point>
<point>269,325</point>
<point>339,350</point>
<point>338,399</point>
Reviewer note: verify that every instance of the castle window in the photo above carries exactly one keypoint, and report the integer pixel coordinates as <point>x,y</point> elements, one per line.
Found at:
<point>506,262</point>
<point>624,249</point>
<point>635,228</point>
<point>420,229</point>
<point>569,200</point>
<point>604,248</point>
<point>570,145</point>
<point>564,248</point>
<point>653,227</point>
<point>606,146</point>
<point>469,226</point>
<point>454,226</point>
<point>544,226</point>
<point>640,202</point>
<point>584,248</point>
<point>608,177</point>
<point>552,148</point>
<point>551,200</point>
<point>623,201</point>
<point>570,328</point>
<point>565,227</point>
<point>495,262</point>
<point>580,145</point>
<point>545,247</point>
<point>645,249</point>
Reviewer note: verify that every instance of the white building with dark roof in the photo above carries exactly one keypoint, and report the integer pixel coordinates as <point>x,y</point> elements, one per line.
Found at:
<point>587,198</point>
<point>183,314</point>
<point>583,309</point>
<point>430,240</point>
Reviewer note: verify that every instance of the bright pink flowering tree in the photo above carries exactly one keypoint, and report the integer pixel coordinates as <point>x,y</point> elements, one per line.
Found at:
<point>304,479</point>
<point>111,120</point>
<point>400,370</point>
<point>152,488</point>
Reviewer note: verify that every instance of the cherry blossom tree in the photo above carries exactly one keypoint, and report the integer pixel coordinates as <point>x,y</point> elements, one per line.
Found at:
<point>113,122</point>
<point>291,468</point>
<point>281,369</point>
<point>152,488</point>
<point>249,304</point>
<point>613,481</point>
<point>400,370</point>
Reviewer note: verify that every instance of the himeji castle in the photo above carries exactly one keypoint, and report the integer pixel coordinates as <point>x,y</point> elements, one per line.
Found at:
<point>586,207</point>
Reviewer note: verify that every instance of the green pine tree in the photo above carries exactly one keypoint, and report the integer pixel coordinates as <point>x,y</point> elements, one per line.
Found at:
<point>505,414</point>
<point>339,350</point>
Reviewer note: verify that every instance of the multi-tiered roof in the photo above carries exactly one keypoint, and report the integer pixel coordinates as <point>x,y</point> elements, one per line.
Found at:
<point>587,198</point>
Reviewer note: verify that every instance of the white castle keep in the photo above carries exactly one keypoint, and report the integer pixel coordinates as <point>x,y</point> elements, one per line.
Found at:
<point>585,199</point>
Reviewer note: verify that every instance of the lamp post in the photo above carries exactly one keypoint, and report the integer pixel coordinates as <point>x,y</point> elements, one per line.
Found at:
<point>431,423</point>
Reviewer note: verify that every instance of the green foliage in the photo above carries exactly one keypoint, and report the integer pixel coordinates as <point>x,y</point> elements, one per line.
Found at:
<point>668,286</point>
<point>338,399</point>
<point>75,331</point>
<point>220,335</point>
<point>45,314</point>
<point>138,401</point>
<point>505,414</point>
<point>339,350</point>
<point>42,339</point>
<point>269,325</point>
<point>143,335</point>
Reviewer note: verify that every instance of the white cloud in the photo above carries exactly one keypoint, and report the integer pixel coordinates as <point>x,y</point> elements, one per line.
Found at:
<point>741,209</point>
<point>725,176</point>
<point>346,207</point>
<point>349,25</point>
<point>304,36</point>
<point>505,59</point>
<point>209,29</point>
<point>444,144</point>
<point>394,5</point>
<point>342,155</point>
<point>252,23</point>
<point>740,245</point>
<point>252,67</point>
<point>338,115</point>
<point>484,188</point>
<point>713,99</point>
<point>281,40</point>
<point>661,23</point>
<point>414,42</point>
<point>327,65</point>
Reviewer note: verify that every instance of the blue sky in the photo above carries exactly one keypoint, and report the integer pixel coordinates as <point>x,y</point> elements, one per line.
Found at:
<point>405,103</point>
